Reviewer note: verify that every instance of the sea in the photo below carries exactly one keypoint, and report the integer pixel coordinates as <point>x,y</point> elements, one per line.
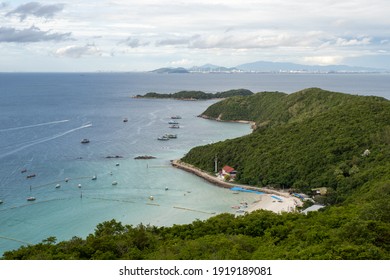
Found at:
<point>44,117</point>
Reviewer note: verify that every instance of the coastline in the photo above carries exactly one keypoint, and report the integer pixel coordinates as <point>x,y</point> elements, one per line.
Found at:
<point>271,200</point>
<point>252,123</point>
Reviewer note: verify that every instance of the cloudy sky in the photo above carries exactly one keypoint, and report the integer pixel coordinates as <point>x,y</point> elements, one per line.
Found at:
<point>127,35</point>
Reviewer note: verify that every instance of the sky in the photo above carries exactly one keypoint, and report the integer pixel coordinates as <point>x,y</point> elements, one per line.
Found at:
<point>129,35</point>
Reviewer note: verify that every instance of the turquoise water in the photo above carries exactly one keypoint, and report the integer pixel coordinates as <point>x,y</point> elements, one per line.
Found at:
<point>43,118</point>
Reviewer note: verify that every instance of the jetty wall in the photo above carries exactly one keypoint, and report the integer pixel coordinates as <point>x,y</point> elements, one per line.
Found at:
<point>216,181</point>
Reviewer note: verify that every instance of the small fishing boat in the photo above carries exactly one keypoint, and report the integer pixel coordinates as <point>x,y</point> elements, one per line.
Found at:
<point>163,138</point>
<point>31,176</point>
<point>1,202</point>
<point>174,126</point>
<point>173,122</point>
<point>58,186</point>
<point>23,171</point>
<point>79,185</point>
<point>175,117</point>
<point>31,198</point>
<point>114,183</point>
<point>170,136</point>
<point>94,177</point>
<point>125,120</point>
<point>85,141</point>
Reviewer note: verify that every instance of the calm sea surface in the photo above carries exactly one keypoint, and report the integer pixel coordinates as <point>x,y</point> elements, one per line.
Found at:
<point>43,118</point>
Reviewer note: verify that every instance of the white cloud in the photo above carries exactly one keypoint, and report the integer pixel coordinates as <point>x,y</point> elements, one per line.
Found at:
<point>342,42</point>
<point>323,60</point>
<point>78,51</point>
<point>182,62</point>
<point>218,32</point>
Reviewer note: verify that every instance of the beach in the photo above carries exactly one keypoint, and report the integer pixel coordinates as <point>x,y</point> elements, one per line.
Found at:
<point>272,200</point>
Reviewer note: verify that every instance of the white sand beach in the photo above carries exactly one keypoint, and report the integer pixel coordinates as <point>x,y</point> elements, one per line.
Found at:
<point>271,200</point>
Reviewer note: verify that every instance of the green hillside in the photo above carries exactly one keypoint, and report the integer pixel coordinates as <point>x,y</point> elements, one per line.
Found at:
<point>312,138</point>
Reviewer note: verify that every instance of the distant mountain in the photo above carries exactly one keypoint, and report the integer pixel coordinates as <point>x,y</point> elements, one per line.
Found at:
<point>267,66</point>
<point>212,68</point>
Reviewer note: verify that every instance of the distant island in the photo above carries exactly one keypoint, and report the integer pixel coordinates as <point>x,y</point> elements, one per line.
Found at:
<point>197,95</point>
<point>270,67</point>
<point>145,157</point>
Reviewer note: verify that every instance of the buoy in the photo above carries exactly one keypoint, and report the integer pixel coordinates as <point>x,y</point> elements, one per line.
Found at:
<point>151,197</point>
<point>79,185</point>
<point>66,180</point>
<point>166,188</point>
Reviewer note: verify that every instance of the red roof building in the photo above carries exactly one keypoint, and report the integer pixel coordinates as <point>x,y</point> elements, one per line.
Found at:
<point>229,170</point>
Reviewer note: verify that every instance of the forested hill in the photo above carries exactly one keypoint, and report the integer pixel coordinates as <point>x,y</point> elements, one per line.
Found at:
<point>277,107</point>
<point>197,95</point>
<point>311,138</point>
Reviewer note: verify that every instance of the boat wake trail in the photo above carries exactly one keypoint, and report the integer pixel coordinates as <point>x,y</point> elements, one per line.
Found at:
<point>45,139</point>
<point>33,125</point>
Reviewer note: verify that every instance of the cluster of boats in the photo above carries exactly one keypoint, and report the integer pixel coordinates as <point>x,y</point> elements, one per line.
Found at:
<point>173,123</point>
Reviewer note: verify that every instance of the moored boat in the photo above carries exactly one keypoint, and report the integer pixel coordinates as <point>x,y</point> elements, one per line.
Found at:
<point>175,117</point>
<point>174,126</point>
<point>170,136</point>
<point>31,198</point>
<point>85,141</point>
<point>163,138</point>
<point>173,122</point>
<point>58,186</point>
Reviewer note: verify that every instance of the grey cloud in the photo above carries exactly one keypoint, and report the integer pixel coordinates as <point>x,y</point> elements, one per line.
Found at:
<point>177,41</point>
<point>36,9</point>
<point>134,42</point>
<point>30,35</point>
<point>3,5</point>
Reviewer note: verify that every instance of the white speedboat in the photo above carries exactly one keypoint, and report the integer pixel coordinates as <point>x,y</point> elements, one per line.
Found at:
<point>163,138</point>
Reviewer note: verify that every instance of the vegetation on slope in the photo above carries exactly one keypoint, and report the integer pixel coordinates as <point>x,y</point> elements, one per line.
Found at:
<point>312,138</point>
<point>307,139</point>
